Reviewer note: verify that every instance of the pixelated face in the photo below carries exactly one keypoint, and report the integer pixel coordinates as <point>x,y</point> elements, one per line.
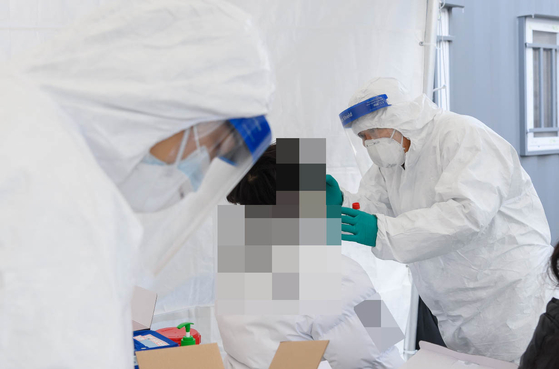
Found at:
<point>284,258</point>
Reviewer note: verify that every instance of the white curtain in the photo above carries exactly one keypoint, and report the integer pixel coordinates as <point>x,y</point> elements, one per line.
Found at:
<point>322,51</point>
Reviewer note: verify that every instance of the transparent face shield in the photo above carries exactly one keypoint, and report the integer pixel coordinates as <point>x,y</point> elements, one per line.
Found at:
<point>176,185</point>
<point>347,118</point>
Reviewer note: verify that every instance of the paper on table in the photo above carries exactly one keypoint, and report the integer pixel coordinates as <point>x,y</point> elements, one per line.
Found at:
<point>432,356</point>
<point>143,306</point>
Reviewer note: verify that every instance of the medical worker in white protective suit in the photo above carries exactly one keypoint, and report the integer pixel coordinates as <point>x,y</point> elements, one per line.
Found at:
<point>448,196</point>
<point>160,101</point>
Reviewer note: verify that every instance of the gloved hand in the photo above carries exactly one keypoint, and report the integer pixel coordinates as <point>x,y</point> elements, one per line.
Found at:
<point>333,193</point>
<point>361,226</point>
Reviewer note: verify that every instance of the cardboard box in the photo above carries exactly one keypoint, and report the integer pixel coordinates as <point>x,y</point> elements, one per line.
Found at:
<point>432,356</point>
<point>299,355</point>
<point>205,356</point>
<point>290,355</point>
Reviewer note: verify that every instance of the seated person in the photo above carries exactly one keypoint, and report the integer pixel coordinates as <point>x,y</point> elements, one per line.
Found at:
<point>542,352</point>
<point>251,341</point>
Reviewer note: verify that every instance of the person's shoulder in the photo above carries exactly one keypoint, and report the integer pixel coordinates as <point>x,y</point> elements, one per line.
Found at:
<point>456,130</point>
<point>452,131</point>
<point>449,123</point>
<point>553,309</point>
<point>356,287</point>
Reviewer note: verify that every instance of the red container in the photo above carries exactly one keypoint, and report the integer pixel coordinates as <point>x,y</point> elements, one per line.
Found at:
<point>356,206</point>
<point>176,335</point>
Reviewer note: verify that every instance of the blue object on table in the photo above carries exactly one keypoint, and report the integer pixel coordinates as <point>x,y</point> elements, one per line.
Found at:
<point>150,340</point>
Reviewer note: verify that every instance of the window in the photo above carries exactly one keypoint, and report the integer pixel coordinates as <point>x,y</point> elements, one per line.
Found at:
<point>441,88</point>
<point>538,84</point>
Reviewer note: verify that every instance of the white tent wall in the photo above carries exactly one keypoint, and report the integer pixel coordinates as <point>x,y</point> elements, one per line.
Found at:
<point>322,51</point>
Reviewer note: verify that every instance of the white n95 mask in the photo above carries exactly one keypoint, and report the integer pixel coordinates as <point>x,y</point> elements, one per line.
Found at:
<point>385,152</point>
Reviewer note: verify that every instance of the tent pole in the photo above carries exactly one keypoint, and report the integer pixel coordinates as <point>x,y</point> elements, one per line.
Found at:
<point>430,45</point>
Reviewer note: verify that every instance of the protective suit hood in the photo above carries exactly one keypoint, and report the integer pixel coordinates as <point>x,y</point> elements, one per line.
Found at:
<point>408,115</point>
<point>132,76</point>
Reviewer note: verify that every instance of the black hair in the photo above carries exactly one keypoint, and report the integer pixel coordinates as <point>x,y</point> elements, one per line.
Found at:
<point>554,261</point>
<point>541,352</point>
<point>258,186</point>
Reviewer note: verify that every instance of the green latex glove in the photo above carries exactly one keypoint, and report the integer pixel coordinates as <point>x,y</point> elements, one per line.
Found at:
<point>362,226</point>
<point>333,193</point>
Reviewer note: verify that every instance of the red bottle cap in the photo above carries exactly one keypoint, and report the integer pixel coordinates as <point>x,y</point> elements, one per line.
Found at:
<point>356,206</point>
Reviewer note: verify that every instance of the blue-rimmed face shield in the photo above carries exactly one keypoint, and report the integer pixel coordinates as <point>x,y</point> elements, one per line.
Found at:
<point>255,136</point>
<point>363,108</point>
<point>177,166</point>
<point>183,177</point>
<point>348,116</point>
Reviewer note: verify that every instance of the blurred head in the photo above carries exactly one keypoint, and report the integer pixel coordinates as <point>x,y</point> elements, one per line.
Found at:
<point>258,186</point>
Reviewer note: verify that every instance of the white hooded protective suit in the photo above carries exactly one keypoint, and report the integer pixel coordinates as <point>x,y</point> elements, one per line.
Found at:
<point>465,217</point>
<point>77,116</point>
<point>251,341</point>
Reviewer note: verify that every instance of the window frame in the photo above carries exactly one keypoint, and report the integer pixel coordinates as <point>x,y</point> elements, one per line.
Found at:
<point>530,145</point>
<point>442,72</point>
